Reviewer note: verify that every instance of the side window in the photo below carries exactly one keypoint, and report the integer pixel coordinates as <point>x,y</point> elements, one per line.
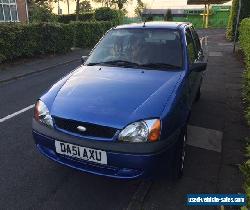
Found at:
<point>190,47</point>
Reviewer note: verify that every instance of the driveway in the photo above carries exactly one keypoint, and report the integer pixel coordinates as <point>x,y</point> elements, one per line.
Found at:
<point>216,146</point>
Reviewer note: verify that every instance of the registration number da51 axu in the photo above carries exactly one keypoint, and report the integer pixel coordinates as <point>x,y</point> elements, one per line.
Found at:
<point>83,153</point>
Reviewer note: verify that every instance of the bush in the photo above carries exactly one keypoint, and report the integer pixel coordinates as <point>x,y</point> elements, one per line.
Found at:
<point>88,34</point>
<point>18,40</point>
<point>41,13</point>
<point>168,16</point>
<point>245,45</point>
<point>87,16</point>
<point>245,13</point>
<point>232,20</point>
<point>244,39</point>
<point>106,14</point>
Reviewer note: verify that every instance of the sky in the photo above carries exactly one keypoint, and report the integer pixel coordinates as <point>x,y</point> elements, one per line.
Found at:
<point>150,4</point>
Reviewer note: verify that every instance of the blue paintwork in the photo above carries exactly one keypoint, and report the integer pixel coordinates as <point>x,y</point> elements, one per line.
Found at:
<point>98,96</point>
<point>116,97</point>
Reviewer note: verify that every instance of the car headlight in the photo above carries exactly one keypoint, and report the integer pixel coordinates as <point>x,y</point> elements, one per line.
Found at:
<point>142,131</point>
<point>42,114</point>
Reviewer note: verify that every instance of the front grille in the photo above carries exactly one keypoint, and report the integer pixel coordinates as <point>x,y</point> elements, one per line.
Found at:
<point>91,129</point>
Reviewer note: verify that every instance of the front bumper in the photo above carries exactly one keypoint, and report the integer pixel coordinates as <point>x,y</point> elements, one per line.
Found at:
<point>125,160</point>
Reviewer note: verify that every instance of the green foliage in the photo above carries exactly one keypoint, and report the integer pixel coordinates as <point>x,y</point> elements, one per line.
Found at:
<point>18,40</point>
<point>120,3</point>
<point>106,14</point>
<point>245,168</point>
<point>106,3</point>
<point>88,34</point>
<point>101,14</point>
<point>85,6</point>
<point>244,13</point>
<point>148,18</point>
<point>244,39</point>
<point>139,8</point>
<point>41,13</point>
<point>232,20</point>
<point>87,16</point>
<point>168,16</point>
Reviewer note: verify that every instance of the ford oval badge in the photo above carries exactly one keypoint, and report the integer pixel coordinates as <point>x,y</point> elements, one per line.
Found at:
<point>81,128</point>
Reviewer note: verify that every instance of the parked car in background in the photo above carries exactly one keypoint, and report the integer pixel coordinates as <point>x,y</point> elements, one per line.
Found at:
<point>124,112</point>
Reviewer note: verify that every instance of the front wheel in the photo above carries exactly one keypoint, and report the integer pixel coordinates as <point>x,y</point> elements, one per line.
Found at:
<point>179,156</point>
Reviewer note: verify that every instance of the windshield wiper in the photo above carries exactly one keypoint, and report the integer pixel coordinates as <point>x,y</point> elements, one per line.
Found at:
<point>160,66</point>
<point>122,63</point>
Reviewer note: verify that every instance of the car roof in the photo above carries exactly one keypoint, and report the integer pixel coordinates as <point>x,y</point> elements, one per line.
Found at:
<point>156,24</point>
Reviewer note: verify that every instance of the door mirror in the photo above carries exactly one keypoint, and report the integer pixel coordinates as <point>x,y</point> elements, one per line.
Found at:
<point>83,59</point>
<point>198,66</point>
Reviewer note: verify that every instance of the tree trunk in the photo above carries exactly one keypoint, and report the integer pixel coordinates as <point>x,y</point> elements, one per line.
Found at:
<point>68,5</point>
<point>77,18</point>
<point>77,9</point>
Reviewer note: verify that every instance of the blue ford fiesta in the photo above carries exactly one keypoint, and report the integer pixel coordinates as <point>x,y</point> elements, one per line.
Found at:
<point>124,112</point>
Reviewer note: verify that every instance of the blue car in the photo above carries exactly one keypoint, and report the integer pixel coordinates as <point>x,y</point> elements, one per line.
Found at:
<point>124,112</point>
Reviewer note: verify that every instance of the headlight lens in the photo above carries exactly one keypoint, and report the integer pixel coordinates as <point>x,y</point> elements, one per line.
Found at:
<point>42,114</point>
<point>143,131</point>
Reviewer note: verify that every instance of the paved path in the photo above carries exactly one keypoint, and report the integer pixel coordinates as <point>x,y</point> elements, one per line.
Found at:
<point>216,134</point>
<point>28,66</point>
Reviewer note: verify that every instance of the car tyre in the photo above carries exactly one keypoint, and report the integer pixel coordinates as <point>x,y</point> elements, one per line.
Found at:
<point>179,156</point>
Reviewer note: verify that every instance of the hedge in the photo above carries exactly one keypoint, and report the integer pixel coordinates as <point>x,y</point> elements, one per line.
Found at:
<point>88,34</point>
<point>17,40</point>
<point>232,20</point>
<point>88,16</point>
<point>100,14</point>
<point>106,14</point>
<point>244,39</point>
<point>245,13</point>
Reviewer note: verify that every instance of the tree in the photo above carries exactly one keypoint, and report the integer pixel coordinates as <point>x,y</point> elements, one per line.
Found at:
<point>77,9</point>
<point>106,3</point>
<point>41,12</point>
<point>120,3</point>
<point>68,5</point>
<point>85,6</point>
<point>39,2</point>
<point>139,8</point>
<point>168,16</point>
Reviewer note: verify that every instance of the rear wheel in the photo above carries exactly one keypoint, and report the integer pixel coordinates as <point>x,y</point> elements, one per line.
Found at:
<point>179,156</point>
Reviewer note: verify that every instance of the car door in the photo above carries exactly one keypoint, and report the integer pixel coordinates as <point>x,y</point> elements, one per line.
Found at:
<point>194,55</point>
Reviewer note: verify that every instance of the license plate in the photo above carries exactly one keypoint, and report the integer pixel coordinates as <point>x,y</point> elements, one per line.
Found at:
<point>84,153</point>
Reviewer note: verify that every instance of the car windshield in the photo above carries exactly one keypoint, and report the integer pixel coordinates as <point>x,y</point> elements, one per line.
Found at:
<point>139,48</point>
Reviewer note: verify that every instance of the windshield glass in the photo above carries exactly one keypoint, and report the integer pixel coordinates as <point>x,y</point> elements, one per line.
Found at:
<point>142,48</point>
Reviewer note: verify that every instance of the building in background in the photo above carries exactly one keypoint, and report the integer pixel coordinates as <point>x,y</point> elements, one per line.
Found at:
<point>174,5</point>
<point>13,11</point>
<point>189,11</point>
